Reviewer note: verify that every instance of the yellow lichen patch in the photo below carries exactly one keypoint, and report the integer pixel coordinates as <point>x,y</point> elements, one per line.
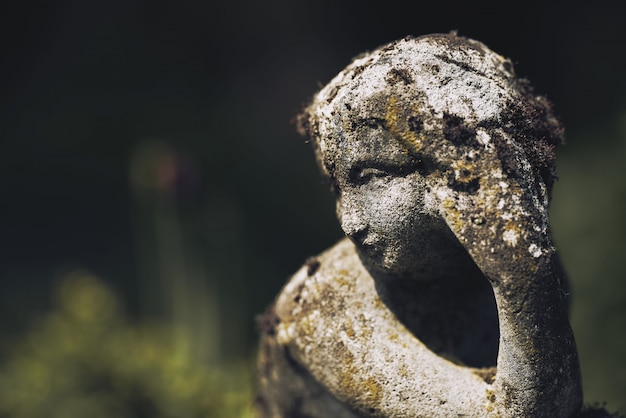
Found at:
<point>366,329</point>
<point>453,214</point>
<point>343,273</point>
<point>348,328</point>
<point>350,332</point>
<point>489,190</point>
<point>399,127</point>
<point>353,385</point>
<point>464,172</point>
<point>308,324</point>
<point>373,390</point>
<point>487,374</point>
<point>491,395</point>
<point>360,328</point>
<point>347,381</point>
<point>344,279</point>
<point>491,400</point>
<point>404,372</point>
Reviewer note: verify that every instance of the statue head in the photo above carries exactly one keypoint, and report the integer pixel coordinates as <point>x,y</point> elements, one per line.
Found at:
<point>398,116</point>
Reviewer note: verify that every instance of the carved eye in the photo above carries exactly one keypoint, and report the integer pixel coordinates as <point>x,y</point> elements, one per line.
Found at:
<point>366,174</point>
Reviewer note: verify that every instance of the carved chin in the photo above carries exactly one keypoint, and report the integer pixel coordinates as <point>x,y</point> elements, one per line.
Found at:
<point>384,259</point>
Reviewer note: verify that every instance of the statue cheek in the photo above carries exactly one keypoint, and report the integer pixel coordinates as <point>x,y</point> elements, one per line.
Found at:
<point>402,201</point>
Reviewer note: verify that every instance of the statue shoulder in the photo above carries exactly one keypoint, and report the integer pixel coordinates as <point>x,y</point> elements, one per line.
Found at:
<point>324,284</point>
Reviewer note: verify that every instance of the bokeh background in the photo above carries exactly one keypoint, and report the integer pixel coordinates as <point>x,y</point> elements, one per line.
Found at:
<point>155,196</point>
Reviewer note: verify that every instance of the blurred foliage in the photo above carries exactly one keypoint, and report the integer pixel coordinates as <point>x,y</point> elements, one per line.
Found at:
<point>590,232</point>
<point>218,214</point>
<point>85,359</point>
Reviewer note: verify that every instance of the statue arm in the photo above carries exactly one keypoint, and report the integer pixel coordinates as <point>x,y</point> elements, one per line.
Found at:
<point>504,226</point>
<point>333,323</point>
<point>538,371</point>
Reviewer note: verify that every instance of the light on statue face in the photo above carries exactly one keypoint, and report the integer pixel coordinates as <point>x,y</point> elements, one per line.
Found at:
<point>431,147</point>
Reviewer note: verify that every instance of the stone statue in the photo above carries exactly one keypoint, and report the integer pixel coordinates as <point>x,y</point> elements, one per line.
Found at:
<point>447,298</point>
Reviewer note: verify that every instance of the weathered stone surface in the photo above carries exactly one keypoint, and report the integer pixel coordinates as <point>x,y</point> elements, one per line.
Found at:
<point>442,162</point>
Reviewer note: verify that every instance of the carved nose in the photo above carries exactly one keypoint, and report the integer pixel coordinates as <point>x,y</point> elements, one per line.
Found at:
<point>352,222</point>
<point>352,227</point>
<point>358,235</point>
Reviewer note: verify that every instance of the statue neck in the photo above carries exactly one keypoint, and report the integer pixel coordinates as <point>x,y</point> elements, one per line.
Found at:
<point>446,263</point>
<point>448,305</point>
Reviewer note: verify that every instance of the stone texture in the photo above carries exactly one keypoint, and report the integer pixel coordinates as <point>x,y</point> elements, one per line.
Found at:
<point>442,162</point>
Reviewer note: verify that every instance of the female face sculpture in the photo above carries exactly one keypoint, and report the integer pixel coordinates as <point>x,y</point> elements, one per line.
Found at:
<point>437,155</point>
<point>416,134</point>
<point>383,201</point>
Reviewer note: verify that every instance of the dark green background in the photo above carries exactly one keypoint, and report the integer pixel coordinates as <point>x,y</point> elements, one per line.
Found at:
<point>91,89</point>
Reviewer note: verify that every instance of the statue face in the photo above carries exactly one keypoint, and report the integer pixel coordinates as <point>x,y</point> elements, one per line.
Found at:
<point>383,202</point>
<point>378,121</point>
